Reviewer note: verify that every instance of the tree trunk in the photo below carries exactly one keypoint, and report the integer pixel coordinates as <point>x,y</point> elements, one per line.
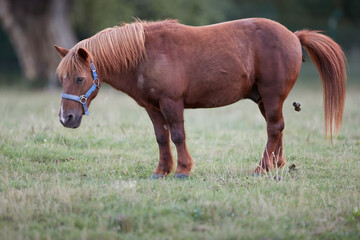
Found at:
<point>33,28</point>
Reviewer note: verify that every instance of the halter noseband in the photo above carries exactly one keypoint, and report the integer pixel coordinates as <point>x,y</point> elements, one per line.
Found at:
<point>83,98</point>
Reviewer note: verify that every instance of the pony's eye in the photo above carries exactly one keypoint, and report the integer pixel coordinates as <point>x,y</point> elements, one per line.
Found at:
<point>80,79</point>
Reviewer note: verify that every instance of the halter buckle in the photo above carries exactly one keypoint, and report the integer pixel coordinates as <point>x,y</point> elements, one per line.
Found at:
<point>82,99</point>
<point>97,83</point>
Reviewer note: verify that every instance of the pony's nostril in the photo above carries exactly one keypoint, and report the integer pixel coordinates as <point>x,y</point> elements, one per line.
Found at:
<point>69,118</point>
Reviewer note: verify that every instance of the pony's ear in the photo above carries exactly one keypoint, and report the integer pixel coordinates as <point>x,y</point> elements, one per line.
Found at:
<point>83,54</point>
<point>61,51</point>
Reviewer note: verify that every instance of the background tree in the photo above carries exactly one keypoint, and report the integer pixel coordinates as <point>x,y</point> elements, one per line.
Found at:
<point>33,27</point>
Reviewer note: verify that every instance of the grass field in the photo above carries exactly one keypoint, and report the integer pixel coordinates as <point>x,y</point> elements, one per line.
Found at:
<point>93,182</point>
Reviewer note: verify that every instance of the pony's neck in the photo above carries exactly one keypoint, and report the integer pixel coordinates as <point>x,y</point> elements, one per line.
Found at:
<point>124,81</point>
<point>117,49</point>
<point>120,79</point>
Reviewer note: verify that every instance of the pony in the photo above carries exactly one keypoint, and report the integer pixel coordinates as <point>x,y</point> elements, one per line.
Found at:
<point>166,66</point>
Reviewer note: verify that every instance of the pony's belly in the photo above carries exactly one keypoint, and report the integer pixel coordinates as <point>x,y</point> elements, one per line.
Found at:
<point>217,91</point>
<point>215,98</point>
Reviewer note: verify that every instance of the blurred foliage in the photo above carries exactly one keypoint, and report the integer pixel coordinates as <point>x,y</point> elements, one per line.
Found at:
<point>8,60</point>
<point>338,18</point>
<point>98,14</point>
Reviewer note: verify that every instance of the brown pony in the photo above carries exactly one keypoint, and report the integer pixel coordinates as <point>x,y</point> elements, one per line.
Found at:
<point>167,66</point>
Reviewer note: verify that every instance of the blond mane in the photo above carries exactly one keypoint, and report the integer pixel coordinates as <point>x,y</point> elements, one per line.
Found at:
<point>119,47</point>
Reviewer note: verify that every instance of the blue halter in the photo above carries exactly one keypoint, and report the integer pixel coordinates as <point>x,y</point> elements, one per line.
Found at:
<point>83,98</point>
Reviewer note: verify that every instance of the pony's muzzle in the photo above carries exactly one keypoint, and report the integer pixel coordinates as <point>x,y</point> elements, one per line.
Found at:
<point>70,120</point>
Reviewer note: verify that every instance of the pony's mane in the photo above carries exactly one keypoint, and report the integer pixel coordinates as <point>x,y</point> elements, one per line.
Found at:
<point>119,47</point>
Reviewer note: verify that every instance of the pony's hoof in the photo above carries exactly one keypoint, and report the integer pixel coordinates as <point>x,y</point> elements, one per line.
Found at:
<point>277,178</point>
<point>256,174</point>
<point>181,176</point>
<point>156,176</point>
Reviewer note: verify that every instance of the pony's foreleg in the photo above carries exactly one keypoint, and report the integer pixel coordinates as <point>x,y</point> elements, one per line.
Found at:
<point>166,162</point>
<point>279,157</point>
<point>173,112</point>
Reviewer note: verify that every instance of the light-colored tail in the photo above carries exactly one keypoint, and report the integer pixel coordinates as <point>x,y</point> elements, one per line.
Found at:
<point>330,60</point>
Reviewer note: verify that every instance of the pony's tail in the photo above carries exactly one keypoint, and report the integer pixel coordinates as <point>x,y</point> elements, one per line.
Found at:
<point>329,59</point>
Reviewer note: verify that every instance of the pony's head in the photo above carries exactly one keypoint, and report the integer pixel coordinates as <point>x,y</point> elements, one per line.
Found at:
<point>76,77</point>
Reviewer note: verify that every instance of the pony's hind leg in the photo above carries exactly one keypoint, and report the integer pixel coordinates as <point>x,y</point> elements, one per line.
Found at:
<point>271,108</point>
<point>166,162</point>
<point>173,112</point>
<point>279,157</point>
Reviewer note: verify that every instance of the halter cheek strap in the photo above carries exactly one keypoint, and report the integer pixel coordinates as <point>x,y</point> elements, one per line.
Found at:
<point>83,98</point>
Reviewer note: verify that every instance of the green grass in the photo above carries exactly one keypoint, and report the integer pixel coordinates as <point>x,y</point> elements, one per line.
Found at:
<point>93,182</point>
